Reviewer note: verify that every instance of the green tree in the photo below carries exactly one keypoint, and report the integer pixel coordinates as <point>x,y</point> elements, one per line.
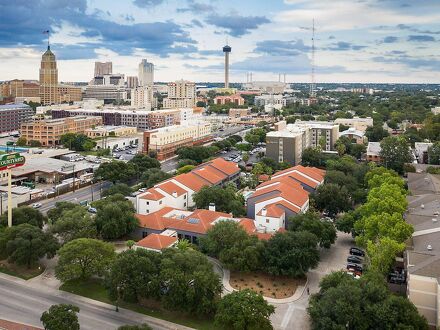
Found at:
<point>185,162</point>
<point>197,153</point>
<point>21,142</point>
<point>153,176</point>
<point>61,317</point>
<point>383,253</point>
<point>291,253</point>
<point>332,198</point>
<point>244,310</point>
<point>144,162</point>
<point>35,143</point>
<point>74,223</point>
<point>55,213</point>
<point>226,199</point>
<point>135,274</point>
<point>115,217</point>
<point>313,157</point>
<point>322,229</point>
<point>375,133</point>
<point>395,153</point>
<point>24,214</point>
<point>185,169</point>
<point>83,258</point>
<point>434,154</point>
<point>26,244</point>
<point>116,171</point>
<point>119,188</point>
<point>77,141</point>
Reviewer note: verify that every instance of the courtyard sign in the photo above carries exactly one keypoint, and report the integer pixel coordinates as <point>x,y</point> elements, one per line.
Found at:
<point>9,161</point>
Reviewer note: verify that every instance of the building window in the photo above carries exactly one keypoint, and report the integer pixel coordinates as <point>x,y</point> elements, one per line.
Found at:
<point>267,220</point>
<point>148,203</point>
<point>160,202</point>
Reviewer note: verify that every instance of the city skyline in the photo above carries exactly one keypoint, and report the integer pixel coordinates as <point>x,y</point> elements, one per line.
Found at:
<point>356,41</point>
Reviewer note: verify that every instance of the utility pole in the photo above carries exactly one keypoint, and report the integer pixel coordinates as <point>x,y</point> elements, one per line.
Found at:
<point>312,62</point>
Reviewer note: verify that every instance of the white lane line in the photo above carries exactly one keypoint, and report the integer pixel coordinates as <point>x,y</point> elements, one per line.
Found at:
<point>287,316</point>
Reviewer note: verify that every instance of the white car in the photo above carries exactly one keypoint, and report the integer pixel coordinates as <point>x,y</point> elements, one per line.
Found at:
<point>142,189</point>
<point>37,205</point>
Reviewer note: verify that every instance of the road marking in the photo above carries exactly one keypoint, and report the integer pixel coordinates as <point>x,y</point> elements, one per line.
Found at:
<point>287,316</point>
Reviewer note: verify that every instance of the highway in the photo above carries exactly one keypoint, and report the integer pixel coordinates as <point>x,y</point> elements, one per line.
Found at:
<point>24,303</point>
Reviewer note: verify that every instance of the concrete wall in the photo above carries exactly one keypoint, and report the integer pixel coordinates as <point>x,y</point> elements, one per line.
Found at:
<point>423,293</point>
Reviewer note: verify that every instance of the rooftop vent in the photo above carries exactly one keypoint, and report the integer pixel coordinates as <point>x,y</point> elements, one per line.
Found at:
<point>193,221</point>
<point>434,219</point>
<point>429,247</point>
<point>422,206</point>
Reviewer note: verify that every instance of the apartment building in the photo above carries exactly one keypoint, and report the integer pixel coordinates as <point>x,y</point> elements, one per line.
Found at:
<point>108,93</point>
<point>164,118</point>
<point>13,115</point>
<point>286,194</point>
<point>360,124</point>
<point>373,151</point>
<point>49,131</point>
<point>100,131</point>
<point>181,94</point>
<point>287,143</point>
<point>236,99</point>
<point>166,140</point>
<point>178,191</point>
<point>270,99</point>
<point>142,97</point>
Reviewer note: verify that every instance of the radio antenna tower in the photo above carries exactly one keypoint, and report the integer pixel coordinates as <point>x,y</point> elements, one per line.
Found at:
<point>312,85</point>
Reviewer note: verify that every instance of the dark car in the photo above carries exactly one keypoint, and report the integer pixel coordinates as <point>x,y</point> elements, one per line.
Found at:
<point>354,260</point>
<point>357,252</point>
<point>355,267</point>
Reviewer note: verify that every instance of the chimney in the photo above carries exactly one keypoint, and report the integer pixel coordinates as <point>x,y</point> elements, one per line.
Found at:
<point>174,194</point>
<point>263,212</point>
<point>211,207</point>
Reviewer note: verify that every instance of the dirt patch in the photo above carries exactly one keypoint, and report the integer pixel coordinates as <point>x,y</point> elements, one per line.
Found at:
<point>277,287</point>
<point>20,271</point>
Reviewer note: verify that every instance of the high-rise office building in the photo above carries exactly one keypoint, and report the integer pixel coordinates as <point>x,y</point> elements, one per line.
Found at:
<point>102,68</point>
<point>48,78</point>
<point>181,94</point>
<point>132,82</point>
<point>146,73</point>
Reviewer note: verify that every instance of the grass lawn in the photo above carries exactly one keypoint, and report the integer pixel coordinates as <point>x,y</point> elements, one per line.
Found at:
<point>20,271</point>
<point>269,286</point>
<point>94,289</point>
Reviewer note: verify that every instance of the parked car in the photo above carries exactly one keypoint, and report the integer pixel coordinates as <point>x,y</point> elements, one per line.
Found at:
<point>92,210</point>
<point>355,267</point>
<point>37,205</point>
<point>354,251</point>
<point>354,260</point>
<point>142,189</point>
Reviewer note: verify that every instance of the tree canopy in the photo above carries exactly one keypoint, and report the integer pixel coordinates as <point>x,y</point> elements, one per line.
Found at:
<point>24,214</point>
<point>61,317</point>
<point>77,142</point>
<point>244,310</point>
<point>226,199</point>
<point>322,229</point>
<point>74,223</point>
<point>395,153</point>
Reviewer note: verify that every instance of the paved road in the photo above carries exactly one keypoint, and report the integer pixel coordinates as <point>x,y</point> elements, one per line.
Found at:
<point>76,197</point>
<point>24,303</point>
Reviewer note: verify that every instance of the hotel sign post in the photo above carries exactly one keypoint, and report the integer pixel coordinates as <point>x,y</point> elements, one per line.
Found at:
<point>8,162</point>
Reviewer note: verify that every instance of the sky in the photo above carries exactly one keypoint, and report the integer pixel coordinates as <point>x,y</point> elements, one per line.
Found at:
<point>355,40</point>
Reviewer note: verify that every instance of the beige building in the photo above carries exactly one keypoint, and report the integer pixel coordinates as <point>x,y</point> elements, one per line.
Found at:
<point>48,132</point>
<point>360,124</point>
<point>289,141</point>
<point>50,91</point>
<point>181,94</point>
<point>100,131</point>
<point>142,97</point>
<point>238,113</point>
<point>165,141</point>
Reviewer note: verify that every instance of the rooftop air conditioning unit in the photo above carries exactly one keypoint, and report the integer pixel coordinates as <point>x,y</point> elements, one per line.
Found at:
<point>434,219</point>
<point>422,206</point>
<point>429,247</point>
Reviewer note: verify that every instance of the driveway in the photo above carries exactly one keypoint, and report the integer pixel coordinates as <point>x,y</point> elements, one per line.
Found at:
<point>293,316</point>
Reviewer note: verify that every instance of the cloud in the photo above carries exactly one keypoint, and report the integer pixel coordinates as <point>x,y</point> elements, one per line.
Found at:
<point>421,38</point>
<point>196,22</point>
<point>411,62</point>
<point>147,3</point>
<point>281,48</point>
<point>235,24</point>
<point>344,46</point>
<point>196,8</point>
<point>22,23</point>
<point>390,39</point>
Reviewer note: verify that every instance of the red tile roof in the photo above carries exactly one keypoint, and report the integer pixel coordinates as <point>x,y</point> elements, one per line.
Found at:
<point>209,174</point>
<point>152,195</point>
<point>154,220</point>
<point>313,172</point>
<point>192,181</point>
<point>292,193</point>
<point>170,187</point>
<point>230,168</point>
<point>157,242</point>
<point>272,211</point>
